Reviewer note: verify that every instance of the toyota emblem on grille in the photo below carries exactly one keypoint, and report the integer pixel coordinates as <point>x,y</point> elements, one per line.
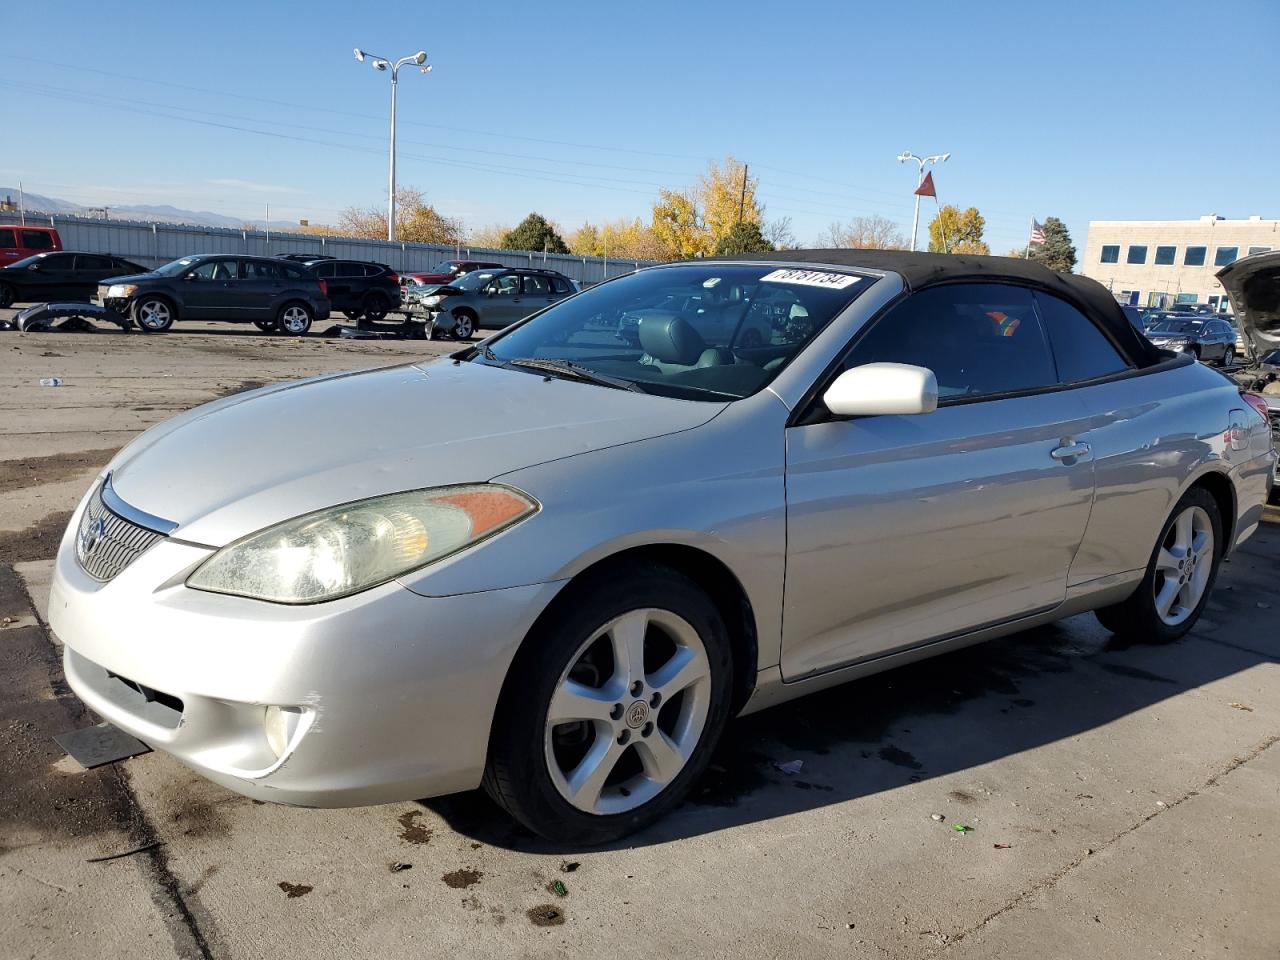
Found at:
<point>91,536</point>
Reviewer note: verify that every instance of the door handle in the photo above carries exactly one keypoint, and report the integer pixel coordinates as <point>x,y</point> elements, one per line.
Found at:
<point>1069,450</point>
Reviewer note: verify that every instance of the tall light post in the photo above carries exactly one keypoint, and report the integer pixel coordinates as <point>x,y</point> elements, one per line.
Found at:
<point>936,158</point>
<point>382,63</point>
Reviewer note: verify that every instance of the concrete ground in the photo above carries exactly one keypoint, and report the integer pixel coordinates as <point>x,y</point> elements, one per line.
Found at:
<point>1123,799</point>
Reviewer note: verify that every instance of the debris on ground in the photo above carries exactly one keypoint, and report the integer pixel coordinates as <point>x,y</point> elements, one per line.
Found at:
<point>294,890</point>
<point>127,853</point>
<point>1240,706</point>
<point>51,382</point>
<point>960,828</point>
<point>558,888</point>
<point>1161,803</point>
<point>789,767</point>
<point>545,915</point>
<point>569,866</point>
<point>937,816</point>
<point>399,867</point>
<point>1003,846</point>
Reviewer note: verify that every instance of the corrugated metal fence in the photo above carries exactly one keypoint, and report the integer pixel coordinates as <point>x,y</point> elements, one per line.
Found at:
<point>152,244</point>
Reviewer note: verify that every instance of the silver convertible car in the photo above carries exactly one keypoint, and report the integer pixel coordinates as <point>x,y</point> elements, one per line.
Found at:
<point>571,559</point>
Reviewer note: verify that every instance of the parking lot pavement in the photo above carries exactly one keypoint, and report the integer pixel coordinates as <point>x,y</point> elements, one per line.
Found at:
<point>1123,800</point>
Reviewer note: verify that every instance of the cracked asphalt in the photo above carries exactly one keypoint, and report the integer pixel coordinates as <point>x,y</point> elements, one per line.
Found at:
<point>1122,799</point>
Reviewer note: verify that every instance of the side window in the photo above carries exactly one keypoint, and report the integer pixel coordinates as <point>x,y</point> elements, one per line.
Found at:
<point>325,271</point>
<point>1079,347</point>
<point>206,270</point>
<point>8,238</point>
<point>345,269</point>
<point>978,339</point>
<point>294,273</point>
<point>37,240</point>
<point>536,286</point>
<point>56,261</point>
<point>87,261</point>
<point>507,285</point>
<point>559,285</point>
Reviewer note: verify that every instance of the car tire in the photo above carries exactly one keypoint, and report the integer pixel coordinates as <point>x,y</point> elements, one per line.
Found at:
<point>646,741</point>
<point>266,326</point>
<point>464,325</point>
<point>1229,358</point>
<point>1179,577</point>
<point>152,314</point>
<point>6,296</point>
<point>353,315</point>
<point>294,319</point>
<point>376,307</point>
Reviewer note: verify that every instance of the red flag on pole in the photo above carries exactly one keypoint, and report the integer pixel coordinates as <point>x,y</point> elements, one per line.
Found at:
<point>926,187</point>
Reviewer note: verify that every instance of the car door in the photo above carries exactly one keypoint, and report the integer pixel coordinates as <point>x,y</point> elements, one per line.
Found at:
<point>49,279</point>
<point>344,284</point>
<point>9,249</point>
<point>906,529</point>
<point>502,303</point>
<point>88,270</point>
<point>261,286</point>
<point>535,294</point>
<point>211,290</point>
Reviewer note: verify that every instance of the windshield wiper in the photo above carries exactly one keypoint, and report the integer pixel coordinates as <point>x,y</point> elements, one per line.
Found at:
<point>565,368</point>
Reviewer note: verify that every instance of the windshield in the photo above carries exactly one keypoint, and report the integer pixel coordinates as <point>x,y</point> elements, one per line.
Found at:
<point>473,280</point>
<point>175,267</point>
<point>448,266</point>
<point>1176,326</point>
<point>698,331</point>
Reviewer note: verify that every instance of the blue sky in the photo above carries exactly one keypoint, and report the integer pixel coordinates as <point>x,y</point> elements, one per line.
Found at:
<point>581,111</point>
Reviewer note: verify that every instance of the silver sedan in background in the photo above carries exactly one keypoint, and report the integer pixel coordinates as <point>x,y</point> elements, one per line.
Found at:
<point>573,558</point>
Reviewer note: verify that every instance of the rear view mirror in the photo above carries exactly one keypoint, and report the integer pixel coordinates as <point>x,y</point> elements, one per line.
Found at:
<point>878,389</point>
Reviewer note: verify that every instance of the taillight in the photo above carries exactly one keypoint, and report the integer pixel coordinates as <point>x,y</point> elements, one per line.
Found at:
<point>395,277</point>
<point>324,288</point>
<point>1258,404</point>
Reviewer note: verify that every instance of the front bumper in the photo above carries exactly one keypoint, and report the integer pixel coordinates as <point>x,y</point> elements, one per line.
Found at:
<point>393,692</point>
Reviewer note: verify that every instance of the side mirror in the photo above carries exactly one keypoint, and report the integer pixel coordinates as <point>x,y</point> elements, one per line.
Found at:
<point>878,389</point>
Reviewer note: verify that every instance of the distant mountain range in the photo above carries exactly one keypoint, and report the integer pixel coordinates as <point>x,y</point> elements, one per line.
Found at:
<point>37,204</point>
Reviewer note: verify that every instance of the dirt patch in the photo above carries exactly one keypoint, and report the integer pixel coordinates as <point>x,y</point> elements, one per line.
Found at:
<point>412,831</point>
<point>241,387</point>
<point>960,796</point>
<point>461,879</point>
<point>38,542</point>
<point>294,890</point>
<point>545,915</point>
<point>34,471</point>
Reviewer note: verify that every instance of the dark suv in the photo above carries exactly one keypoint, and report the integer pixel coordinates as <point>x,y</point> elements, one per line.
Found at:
<point>361,290</point>
<point>493,299</point>
<point>271,293</point>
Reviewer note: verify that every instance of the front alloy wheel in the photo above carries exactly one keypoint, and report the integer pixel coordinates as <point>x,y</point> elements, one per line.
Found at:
<point>612,707</point>
<point>152,316</point>
<point>463,326</point>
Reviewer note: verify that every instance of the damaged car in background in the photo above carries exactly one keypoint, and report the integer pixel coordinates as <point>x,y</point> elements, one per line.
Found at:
<point>566,587</point>
<point>1253,284</point>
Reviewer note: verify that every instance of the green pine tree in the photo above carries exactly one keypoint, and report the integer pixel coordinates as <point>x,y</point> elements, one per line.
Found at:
<point>535,233</point>
<point>743,237</point>
<point>1057,252</point>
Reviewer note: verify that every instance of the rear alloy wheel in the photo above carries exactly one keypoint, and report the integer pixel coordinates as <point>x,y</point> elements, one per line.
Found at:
<point>294,319</point>
<point>1229,358</point>
<point>1179,576</point>
<point>6,295</point>
<point>613,708</point>
<point>464,325</point>
<point>152,315</point>
<point>376,307</point>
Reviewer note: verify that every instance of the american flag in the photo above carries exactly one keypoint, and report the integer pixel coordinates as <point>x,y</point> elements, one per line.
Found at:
<point>1037,234</point>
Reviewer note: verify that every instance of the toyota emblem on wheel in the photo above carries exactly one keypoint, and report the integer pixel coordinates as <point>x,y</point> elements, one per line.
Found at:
<point>637,715</point>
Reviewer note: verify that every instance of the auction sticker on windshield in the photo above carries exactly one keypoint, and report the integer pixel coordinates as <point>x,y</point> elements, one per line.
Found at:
<point>811,278</point>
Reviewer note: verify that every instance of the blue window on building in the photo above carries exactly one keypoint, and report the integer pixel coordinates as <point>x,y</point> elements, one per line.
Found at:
<point>1164,255</point>
<point>1137,253</point>
<point>1253,250</point>
<point>1110,253</point>
<point>1194,257</point>
<point>1224,255</point>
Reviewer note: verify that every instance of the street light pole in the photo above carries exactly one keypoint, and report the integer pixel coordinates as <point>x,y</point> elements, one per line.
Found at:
<point>936,158</point>
<point>382,63</point>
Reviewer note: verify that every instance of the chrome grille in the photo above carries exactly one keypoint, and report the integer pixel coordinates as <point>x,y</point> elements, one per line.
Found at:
<point>106,542</point>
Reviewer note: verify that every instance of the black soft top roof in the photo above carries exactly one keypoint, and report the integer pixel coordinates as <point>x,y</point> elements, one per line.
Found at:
<point>919,270</point>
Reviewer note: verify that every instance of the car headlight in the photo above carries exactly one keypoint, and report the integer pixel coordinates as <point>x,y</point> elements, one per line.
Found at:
<point>120,290</point>
<point>432,300</point>
<point>345,549</point>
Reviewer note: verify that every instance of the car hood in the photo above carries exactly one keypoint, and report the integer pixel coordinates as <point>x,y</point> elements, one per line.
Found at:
<point>1253,284</point>
<point>229,468</point>
<point>433,277</point>
<point>131,278</point>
